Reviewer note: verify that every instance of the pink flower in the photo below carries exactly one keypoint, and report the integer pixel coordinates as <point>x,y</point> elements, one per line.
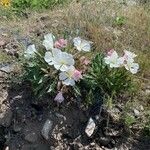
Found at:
<point>77,75</point>
<point>84,60</point>
<point>109,53</point>
<point>61,43</point>
<point>59,97</point>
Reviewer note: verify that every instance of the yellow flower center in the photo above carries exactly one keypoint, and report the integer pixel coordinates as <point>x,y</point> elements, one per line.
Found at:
<point>63,62</point>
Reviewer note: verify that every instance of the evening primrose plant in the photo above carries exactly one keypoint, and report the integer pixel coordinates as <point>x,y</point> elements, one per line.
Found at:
<point>110,75</point>
<point>53,70</point>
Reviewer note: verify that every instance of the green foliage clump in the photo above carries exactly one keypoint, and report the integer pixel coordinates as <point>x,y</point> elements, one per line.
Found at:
<point>101,80</point>
<point>36,4</point>
<point>39,75</point>
<point>110,81</point>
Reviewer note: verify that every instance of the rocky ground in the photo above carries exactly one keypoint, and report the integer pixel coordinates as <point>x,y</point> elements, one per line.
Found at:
<point>30,124</point>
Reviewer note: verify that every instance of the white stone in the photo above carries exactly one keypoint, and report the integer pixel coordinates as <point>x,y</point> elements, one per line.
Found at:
<point>90,127</point>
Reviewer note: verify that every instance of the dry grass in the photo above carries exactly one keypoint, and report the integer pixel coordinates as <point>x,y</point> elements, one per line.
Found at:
<point>95,21</point>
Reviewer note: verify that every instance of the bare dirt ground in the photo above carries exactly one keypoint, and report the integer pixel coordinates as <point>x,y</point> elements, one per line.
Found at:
<point>23,118</point>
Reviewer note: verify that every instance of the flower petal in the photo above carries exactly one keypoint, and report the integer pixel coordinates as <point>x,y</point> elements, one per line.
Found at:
<point>48,41</point>
<point>69,82</point>
<point>48,57</point>
<point>62,76</point>
<point>134,68</point>
<point>77,41</point>
<point>86,46</point>
<point>30,52</point>
<point>59,97</point>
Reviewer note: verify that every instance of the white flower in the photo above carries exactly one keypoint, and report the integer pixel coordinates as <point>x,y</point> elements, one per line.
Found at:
<point>81,44</point>
<point>62,60</point>
<point>49,41</point>
<point>132,67</point>
<point>68,76</point>
<point>114,60</point>
<point>129,56</point>
<point>129,62</point>
<point>30,52</point>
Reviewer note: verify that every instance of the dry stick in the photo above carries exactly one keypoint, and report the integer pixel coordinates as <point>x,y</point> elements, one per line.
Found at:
<point>4,71</point>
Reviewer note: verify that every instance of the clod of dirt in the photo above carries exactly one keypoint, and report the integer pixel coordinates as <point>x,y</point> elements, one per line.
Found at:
<point>17,127</point>
<point>7,67</point>
<point>112,132</point>
<point>46,129</point>
<point>6,118</point>
<point>12,52</point>
<point>31,137</point>
<point>104,141</point>
<point>2,43</point>
<point>141,107</point>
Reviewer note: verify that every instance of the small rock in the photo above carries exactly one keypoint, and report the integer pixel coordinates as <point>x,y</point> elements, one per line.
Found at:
<point>11,52</point>
<point>60,116</point>
<point>2,43</point>
<point>136,112</point>
<point>112,132</point>
<point>46,129</point>
<point>17,128</point>
<point>7,67</point>
<point>92,144</point>
<point>141,107</point>
<point>90,127</point>
<point>7,148</point>
<point>147,91</point>
<point>31,137</point>
<point>5,119</point>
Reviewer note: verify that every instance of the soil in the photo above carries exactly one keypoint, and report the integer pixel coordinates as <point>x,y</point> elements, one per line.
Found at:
<point>26,116</point>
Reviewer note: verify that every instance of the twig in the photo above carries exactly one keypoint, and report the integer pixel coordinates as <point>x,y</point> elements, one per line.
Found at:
<point>4,71</point>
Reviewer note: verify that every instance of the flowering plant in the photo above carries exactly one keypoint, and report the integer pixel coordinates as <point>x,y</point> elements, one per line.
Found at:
<point>109,75</point>
<point>53,69</point>
<point>53,65</point>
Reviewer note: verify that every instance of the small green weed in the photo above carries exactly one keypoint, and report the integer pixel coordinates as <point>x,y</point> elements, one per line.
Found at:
<point>119,21</point>
<point>129,120</point>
